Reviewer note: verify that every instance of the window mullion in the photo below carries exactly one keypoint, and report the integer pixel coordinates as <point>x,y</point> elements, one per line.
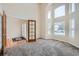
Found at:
<point>66,21</point>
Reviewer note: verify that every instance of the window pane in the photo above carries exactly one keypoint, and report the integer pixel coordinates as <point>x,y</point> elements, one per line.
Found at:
<point>49,27</point>
<point>72,28</point>
<point>49,22</point>
<point>59,28</point>
<point>60,11</point>
<point>71,8</point>
<point>49,14</point>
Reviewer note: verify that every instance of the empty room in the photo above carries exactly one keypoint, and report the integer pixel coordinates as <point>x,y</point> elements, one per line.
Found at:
<point>39,29</point>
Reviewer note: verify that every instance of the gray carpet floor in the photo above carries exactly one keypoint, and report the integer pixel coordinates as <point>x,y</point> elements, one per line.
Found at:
<point>43,48</point>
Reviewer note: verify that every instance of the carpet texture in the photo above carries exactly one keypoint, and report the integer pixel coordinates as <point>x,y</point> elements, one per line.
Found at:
<point>43,48</point>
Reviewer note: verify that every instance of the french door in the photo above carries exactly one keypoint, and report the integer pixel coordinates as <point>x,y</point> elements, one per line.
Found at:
<point>31,30</point>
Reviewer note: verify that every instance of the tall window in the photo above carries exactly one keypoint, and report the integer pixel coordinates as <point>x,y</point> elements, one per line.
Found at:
<point>72,8</point>
<point>59,18</point>
<point>59,24</point>
<point>72,28</point>
<point>49,22</point>
<point>72,20</point>
<point>49,14</point>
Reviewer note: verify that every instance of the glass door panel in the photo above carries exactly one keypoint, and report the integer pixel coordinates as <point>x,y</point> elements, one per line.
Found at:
<point>31,30</point>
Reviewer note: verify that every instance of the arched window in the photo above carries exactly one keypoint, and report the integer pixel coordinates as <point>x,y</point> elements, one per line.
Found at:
<point>59,23</point>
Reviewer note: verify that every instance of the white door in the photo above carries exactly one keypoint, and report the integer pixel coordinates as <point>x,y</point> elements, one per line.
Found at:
<point>0,32</point>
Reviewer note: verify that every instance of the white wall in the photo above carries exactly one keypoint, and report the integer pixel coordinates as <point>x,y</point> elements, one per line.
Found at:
<point>13,27</point>
<point>42,19</point>
<point>21,10</point>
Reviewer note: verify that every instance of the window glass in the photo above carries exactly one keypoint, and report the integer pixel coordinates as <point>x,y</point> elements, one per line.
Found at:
<point>59,28</point>
<point>71,8</point>
<point>72,28</point>
<point>60,11</point>
<point>49,22</point>
<point>49,28</point>
<point>49,14</point>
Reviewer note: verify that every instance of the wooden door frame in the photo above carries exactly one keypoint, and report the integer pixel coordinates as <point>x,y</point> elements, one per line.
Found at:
<point>1,50</point>
<point>3,32</point>
<point>29,29</point>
